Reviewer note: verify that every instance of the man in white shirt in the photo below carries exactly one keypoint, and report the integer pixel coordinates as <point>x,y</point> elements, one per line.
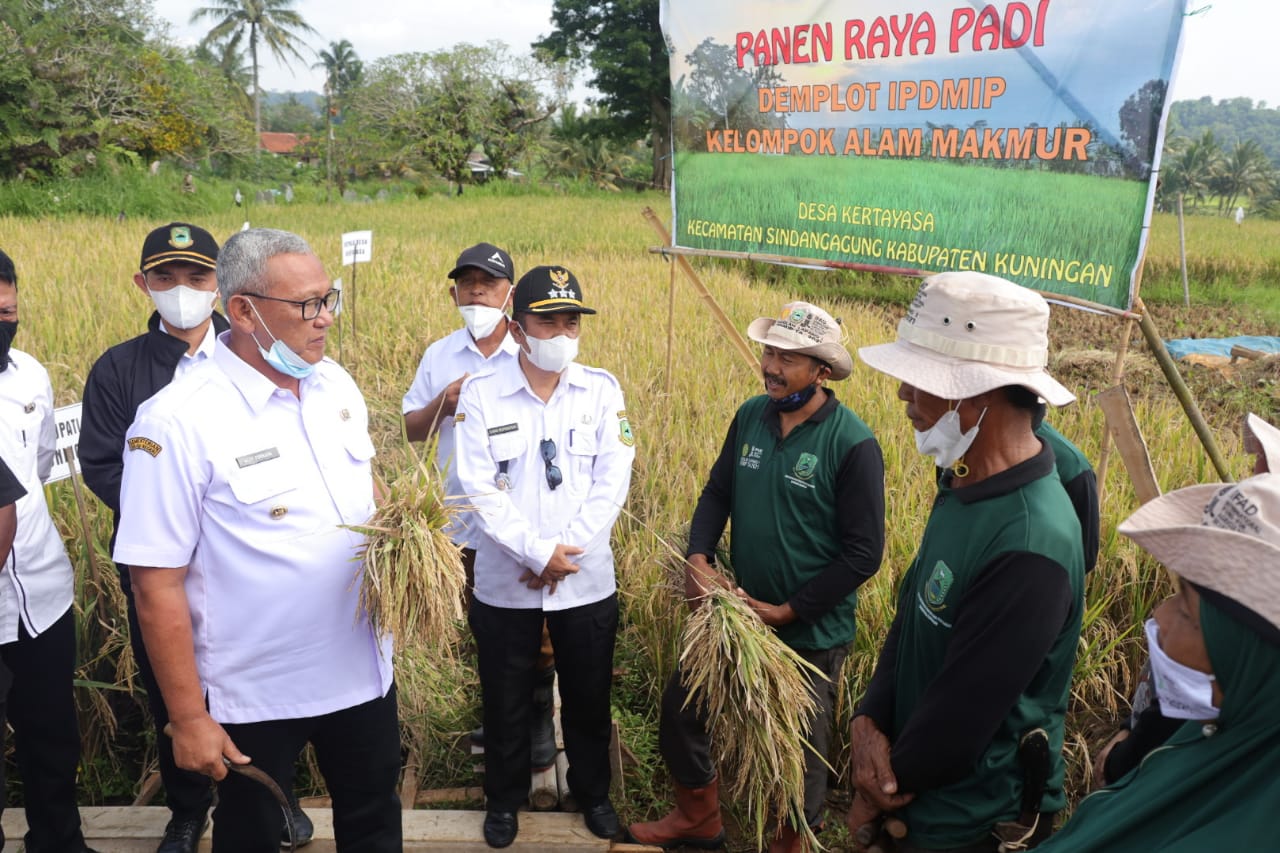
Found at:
<point>177,273</point>
<point>241,480</point>
<point>37,624</point>
<point>544,452</point>
<point>482,291</point>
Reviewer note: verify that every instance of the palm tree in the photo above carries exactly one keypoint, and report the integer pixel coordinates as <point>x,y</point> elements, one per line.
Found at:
<point>342,70</point>
<point>1245,171</point>
<point>228,58</point>
<point>273,22</point>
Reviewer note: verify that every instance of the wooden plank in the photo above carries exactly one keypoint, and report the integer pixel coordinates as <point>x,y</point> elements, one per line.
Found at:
<point>1123,428</point>
<point>135,829</point>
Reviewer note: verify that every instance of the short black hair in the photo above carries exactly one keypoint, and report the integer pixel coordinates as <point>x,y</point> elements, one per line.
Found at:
<point>1021,397</point>
<point>7,271</point>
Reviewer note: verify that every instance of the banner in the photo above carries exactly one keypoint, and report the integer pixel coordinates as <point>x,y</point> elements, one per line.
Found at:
<point>67,419</point>
<point>1018,139</point>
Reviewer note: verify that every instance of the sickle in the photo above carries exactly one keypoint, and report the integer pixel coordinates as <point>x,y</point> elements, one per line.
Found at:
<point>251,772</point>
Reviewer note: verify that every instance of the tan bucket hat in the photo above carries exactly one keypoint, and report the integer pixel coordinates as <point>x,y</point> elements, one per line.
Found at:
<point>807,329</point>
<point>1261,437</point>
<point>967,333</point>
<point>1224,537</point>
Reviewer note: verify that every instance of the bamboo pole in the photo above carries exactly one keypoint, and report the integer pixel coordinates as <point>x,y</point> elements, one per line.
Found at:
<point>734,336</point>
<point>1183,393</point>
<point>671,325</point>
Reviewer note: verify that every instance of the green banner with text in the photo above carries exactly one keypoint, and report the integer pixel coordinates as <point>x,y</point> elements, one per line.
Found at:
<point>1018,139</point>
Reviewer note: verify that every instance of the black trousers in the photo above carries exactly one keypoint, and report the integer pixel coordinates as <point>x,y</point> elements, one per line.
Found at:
<point>188,794</point>
<point>507,642</point>
<point>358,751</point>
<point>46,736</point>
<point>686,746</point>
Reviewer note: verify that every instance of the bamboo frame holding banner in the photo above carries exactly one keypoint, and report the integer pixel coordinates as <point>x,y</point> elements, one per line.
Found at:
<point>734,336</point>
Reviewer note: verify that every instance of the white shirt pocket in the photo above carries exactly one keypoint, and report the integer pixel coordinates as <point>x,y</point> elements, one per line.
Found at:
<point>580,457</point>
<point>268,501</point>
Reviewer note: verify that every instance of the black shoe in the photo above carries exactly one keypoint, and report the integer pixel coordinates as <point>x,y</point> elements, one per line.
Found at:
<point>301,825</point>
<point>602,820</point>
<point>182,835</point>
<point>500,828</point>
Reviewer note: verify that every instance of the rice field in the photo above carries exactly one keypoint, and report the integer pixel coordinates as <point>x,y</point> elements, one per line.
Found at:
<point>77,298</point>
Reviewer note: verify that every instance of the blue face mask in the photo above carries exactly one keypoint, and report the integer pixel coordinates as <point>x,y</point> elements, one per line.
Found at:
<point>280,356</point>
<point>796,400</point>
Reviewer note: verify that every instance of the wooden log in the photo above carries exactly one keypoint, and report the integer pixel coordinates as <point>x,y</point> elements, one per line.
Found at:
<point>544,795</point>
<point>1238,351</point>
<point>615,761</point>
<point>437,796</point>
<point>150,788</point>
<point>567,801</point>
<point>409,784</point>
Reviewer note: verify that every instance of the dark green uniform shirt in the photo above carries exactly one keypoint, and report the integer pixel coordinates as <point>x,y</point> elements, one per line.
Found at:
<point>808,515</point>
<point>981,651</point>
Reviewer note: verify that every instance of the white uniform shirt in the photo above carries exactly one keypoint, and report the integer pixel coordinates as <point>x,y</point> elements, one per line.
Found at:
<point>248,486</point>
<point>500,420</point>
<point>443,362</point>
<point>191,359</point>
<point>37,581</point>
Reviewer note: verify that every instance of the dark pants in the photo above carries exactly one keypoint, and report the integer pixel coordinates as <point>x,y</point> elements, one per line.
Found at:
<point>686,746</point>
<point>358,752</point>
<point>188,794</point>
<point>41,708</point>
<point>508,642</point>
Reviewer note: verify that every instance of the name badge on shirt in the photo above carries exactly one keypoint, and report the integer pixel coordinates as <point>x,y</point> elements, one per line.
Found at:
<point>260,456</point>
<point>504,429</point>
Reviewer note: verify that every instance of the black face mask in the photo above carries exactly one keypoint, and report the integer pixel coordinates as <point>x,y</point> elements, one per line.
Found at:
<point>8,329</point>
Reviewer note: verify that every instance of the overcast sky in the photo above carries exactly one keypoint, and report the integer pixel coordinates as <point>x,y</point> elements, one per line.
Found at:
<point>1228,49</point>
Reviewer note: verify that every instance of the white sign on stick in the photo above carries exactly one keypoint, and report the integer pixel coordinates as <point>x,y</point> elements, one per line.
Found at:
<point>67,420</point>
<point>357,247</point>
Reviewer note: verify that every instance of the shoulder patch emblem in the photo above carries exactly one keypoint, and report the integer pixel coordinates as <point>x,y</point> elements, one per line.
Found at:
<point>938,585</point>
<point>625,435</point>
<point>144,444</point>
<point>806,465</point>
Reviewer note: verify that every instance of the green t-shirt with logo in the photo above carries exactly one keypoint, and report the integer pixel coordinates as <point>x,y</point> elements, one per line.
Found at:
<point>785,525</point>
<point>1033,523</point>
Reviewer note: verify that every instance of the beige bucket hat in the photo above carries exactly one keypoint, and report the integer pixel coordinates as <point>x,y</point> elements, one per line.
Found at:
<point>967,333</point>
<point>807,329</point>
<point>1261,437</point>
<point>1224,537</point>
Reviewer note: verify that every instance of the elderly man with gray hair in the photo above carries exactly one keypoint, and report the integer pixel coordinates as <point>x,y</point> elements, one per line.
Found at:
<point>960,730</point>
<point>241,481</point>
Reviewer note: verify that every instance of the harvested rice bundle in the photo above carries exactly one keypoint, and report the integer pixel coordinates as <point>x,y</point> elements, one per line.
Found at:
<point>753,689</point>
<point>413,579</point>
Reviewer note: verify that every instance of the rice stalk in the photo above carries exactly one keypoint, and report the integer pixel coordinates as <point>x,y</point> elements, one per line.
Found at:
<point>752,689</point>
<point>412,584</point>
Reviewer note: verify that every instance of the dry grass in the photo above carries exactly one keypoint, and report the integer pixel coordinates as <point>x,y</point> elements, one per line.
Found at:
<point>75,304</point>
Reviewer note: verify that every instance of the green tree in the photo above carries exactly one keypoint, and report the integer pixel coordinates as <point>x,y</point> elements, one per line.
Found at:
<point>228,57</point>
<point>1244,171</point>
<point>622,42</point>
<point>1189,167</point>
<point>1140,124</point>
<point>342,72</point>
<point>436,109</point>
<point>274,23</point>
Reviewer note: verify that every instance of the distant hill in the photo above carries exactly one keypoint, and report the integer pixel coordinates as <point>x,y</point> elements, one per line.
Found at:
<point>310,100</point>
<point>1232,120</point>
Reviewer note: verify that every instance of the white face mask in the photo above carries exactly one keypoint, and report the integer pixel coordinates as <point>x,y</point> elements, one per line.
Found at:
<point>553,354</point>
<point>183,307</point>
<point>944,441</point>
<point>480,320</point>
<point>1184,693</point>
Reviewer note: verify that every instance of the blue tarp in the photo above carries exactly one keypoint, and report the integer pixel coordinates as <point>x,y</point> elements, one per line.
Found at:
<point>1184,347</point>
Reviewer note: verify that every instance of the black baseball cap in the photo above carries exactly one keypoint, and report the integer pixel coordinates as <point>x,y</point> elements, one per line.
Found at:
<point>487,257</point>
<point>179,241</point>
<point>548,290</point>
<point>7,272</point>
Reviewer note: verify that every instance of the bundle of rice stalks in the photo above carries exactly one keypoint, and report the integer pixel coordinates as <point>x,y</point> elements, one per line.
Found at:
<point>413,580</point>
<point>753,690</point>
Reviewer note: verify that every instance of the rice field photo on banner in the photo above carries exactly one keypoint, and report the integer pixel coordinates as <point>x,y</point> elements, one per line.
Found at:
<point>1019,139</point>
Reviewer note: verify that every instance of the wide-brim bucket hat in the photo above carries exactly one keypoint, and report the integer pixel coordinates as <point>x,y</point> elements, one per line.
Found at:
<point>967,333</point>
<point>807,329</point>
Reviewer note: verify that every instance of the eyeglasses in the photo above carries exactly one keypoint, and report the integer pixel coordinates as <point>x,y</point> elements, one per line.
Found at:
<point>548,450</point>
<point>310,307</point>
